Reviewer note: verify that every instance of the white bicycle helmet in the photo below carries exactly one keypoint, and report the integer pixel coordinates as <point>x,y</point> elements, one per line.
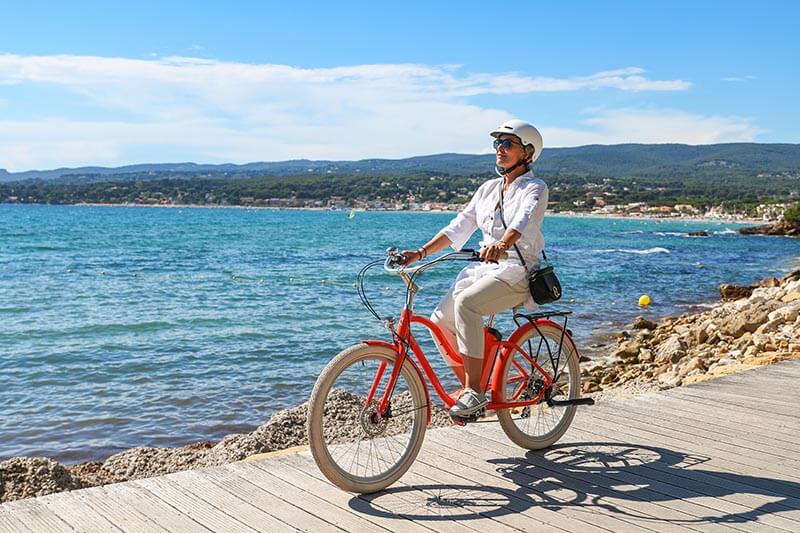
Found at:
<point>526,133</point>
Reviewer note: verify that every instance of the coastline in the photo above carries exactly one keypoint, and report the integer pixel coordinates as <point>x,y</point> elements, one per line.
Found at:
<point>752,326</point>
<point>566,214</point>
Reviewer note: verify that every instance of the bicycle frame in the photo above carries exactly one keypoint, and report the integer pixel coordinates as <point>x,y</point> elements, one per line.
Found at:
<point>496,353</point>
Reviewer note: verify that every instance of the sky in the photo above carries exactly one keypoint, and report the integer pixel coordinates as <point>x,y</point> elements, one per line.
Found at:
<point>115,83</point>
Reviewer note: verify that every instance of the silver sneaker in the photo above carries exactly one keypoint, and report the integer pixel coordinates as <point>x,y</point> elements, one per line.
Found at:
<point>470,402</point>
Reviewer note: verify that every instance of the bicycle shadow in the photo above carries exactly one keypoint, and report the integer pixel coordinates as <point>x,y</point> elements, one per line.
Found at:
<point>640,483</point>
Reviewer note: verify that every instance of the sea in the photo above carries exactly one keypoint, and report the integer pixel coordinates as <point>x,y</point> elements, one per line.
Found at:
<point>135,326</point>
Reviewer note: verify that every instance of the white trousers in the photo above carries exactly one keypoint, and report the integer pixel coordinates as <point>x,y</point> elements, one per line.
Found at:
<point>460,315</point>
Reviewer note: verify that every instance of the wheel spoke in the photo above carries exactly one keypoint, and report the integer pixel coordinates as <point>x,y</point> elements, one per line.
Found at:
<point>355,446</point>
<point>539,425</point>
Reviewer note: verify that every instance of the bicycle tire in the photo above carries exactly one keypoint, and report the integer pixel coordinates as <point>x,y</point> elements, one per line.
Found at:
<point>539,426</point>
<point>339,420</point>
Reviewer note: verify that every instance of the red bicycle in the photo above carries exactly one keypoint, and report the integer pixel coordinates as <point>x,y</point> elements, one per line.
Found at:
<point>371,405</point>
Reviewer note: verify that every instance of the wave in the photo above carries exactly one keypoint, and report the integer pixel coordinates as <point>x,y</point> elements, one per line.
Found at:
<point>656,250</point>
<point>726,231</point>
<point>669,233</point>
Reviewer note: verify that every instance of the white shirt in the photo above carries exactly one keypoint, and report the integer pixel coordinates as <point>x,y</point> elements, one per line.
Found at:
<point>524,205</point>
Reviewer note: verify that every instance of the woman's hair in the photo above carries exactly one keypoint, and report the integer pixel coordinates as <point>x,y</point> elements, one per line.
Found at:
<point>529,151</point>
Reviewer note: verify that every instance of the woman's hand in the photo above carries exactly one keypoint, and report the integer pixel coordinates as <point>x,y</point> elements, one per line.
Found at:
<point>412,256</point>
<point>494,252</point>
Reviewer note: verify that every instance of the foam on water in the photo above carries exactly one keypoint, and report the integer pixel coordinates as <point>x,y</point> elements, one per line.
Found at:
<point>647,251</point>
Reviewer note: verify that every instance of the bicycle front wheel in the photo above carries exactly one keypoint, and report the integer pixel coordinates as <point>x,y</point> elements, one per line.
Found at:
<point>540,425</point>
<point>355,447</point>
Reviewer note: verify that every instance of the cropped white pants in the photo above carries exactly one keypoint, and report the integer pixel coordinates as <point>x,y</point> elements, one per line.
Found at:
<point>460,313</point>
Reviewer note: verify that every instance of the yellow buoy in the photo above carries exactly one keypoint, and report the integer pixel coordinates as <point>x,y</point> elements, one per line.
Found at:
<point>644,300</point>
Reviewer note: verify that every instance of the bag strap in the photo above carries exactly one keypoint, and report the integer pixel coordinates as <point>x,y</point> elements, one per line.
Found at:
<point>502,219</point>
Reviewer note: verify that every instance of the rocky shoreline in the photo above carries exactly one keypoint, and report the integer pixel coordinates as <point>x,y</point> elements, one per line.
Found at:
<point>781,227</point>
<point>751,326</point>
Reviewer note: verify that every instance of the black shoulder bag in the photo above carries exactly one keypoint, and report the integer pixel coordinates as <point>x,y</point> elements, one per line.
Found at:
<point>543,282</point>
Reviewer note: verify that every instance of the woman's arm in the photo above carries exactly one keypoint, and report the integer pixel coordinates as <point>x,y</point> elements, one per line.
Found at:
<point>439,242</point>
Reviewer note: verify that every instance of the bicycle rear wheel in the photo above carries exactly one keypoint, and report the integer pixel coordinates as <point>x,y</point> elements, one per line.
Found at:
<point>356,448</point>
<point>538,426</point>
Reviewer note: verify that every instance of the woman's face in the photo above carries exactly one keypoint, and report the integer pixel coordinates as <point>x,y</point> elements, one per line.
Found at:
<point>507,157</point>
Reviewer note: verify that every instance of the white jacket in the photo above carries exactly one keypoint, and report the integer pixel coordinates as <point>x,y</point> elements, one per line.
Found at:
<point>524,205</point>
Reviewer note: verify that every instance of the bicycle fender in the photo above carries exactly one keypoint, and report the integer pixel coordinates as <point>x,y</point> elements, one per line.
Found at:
<point>517,334</point>
<point>390,346</point>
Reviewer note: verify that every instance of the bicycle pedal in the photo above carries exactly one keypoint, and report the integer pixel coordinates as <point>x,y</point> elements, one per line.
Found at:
<point>463,420</point>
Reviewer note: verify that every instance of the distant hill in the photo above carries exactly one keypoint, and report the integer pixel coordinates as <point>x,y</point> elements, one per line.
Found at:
<point>623,160</point>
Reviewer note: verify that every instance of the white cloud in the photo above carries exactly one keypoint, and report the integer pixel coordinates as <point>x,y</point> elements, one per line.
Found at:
<point>653,125</point>
<point>190,109</point>
<point>739,78</point>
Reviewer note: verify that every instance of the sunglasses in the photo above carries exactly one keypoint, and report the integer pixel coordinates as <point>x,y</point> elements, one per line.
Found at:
<point>504,143</point>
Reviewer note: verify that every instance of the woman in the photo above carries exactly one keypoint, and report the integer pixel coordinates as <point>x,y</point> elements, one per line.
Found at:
<point>509,211</point>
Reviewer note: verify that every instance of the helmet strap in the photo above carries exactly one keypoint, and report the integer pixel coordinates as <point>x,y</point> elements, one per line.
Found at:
<point>504,171</point>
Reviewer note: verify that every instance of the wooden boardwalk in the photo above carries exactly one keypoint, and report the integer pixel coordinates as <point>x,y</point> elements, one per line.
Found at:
<point>723,455</point>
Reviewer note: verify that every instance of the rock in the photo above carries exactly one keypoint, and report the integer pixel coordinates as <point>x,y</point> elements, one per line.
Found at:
<point>628,349</point>
<point>729,291</point>
<point>700,335</point>
<point>138,463</point>
<point>671,351</point>
<point>746,320</point>
<point>693,364</point>
<point>713,337</point>
<point>782,227</point>
<point>669,380</point>
<point>792,277</point>
<point>769,282</point>
<point>26,477</point>
<point>791,297</point>
<point>646,356</point>
<point>697,234</point>
<point>589,387</point>
<point>769,326</point>
<point>725,361</point>
<point>641,322</point>
<point>787,313</point>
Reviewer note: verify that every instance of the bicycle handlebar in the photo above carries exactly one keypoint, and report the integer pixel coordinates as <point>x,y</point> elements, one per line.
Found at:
<point>394,260</point>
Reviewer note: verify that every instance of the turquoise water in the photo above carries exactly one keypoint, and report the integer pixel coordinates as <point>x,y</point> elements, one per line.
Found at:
<point>128,327</point>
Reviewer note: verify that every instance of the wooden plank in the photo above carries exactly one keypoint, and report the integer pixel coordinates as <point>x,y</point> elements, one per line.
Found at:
<point>768,386</point>
<point>733,454</point>
<point>68,507</point>
<point>537,500</point>
<point>13,518</point>
<point>592,486</point>
<point>787,416</point>
<point>690,415</point>
<point>752,405</point>
<point>499,507</point>
<point>198,509</point>
<point>675,462</point>
<point>122,515</point>
<point>754,473</point>
<point>160,512</point>
<point>677,409</point>
<point>265,479</point>
<point>404,498</point>
<point>301,476</point>
<point>723,486</point>
<point>665,477</point>
<point>249,503</point>
<point>32,515</point>
<point>685,429</point>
